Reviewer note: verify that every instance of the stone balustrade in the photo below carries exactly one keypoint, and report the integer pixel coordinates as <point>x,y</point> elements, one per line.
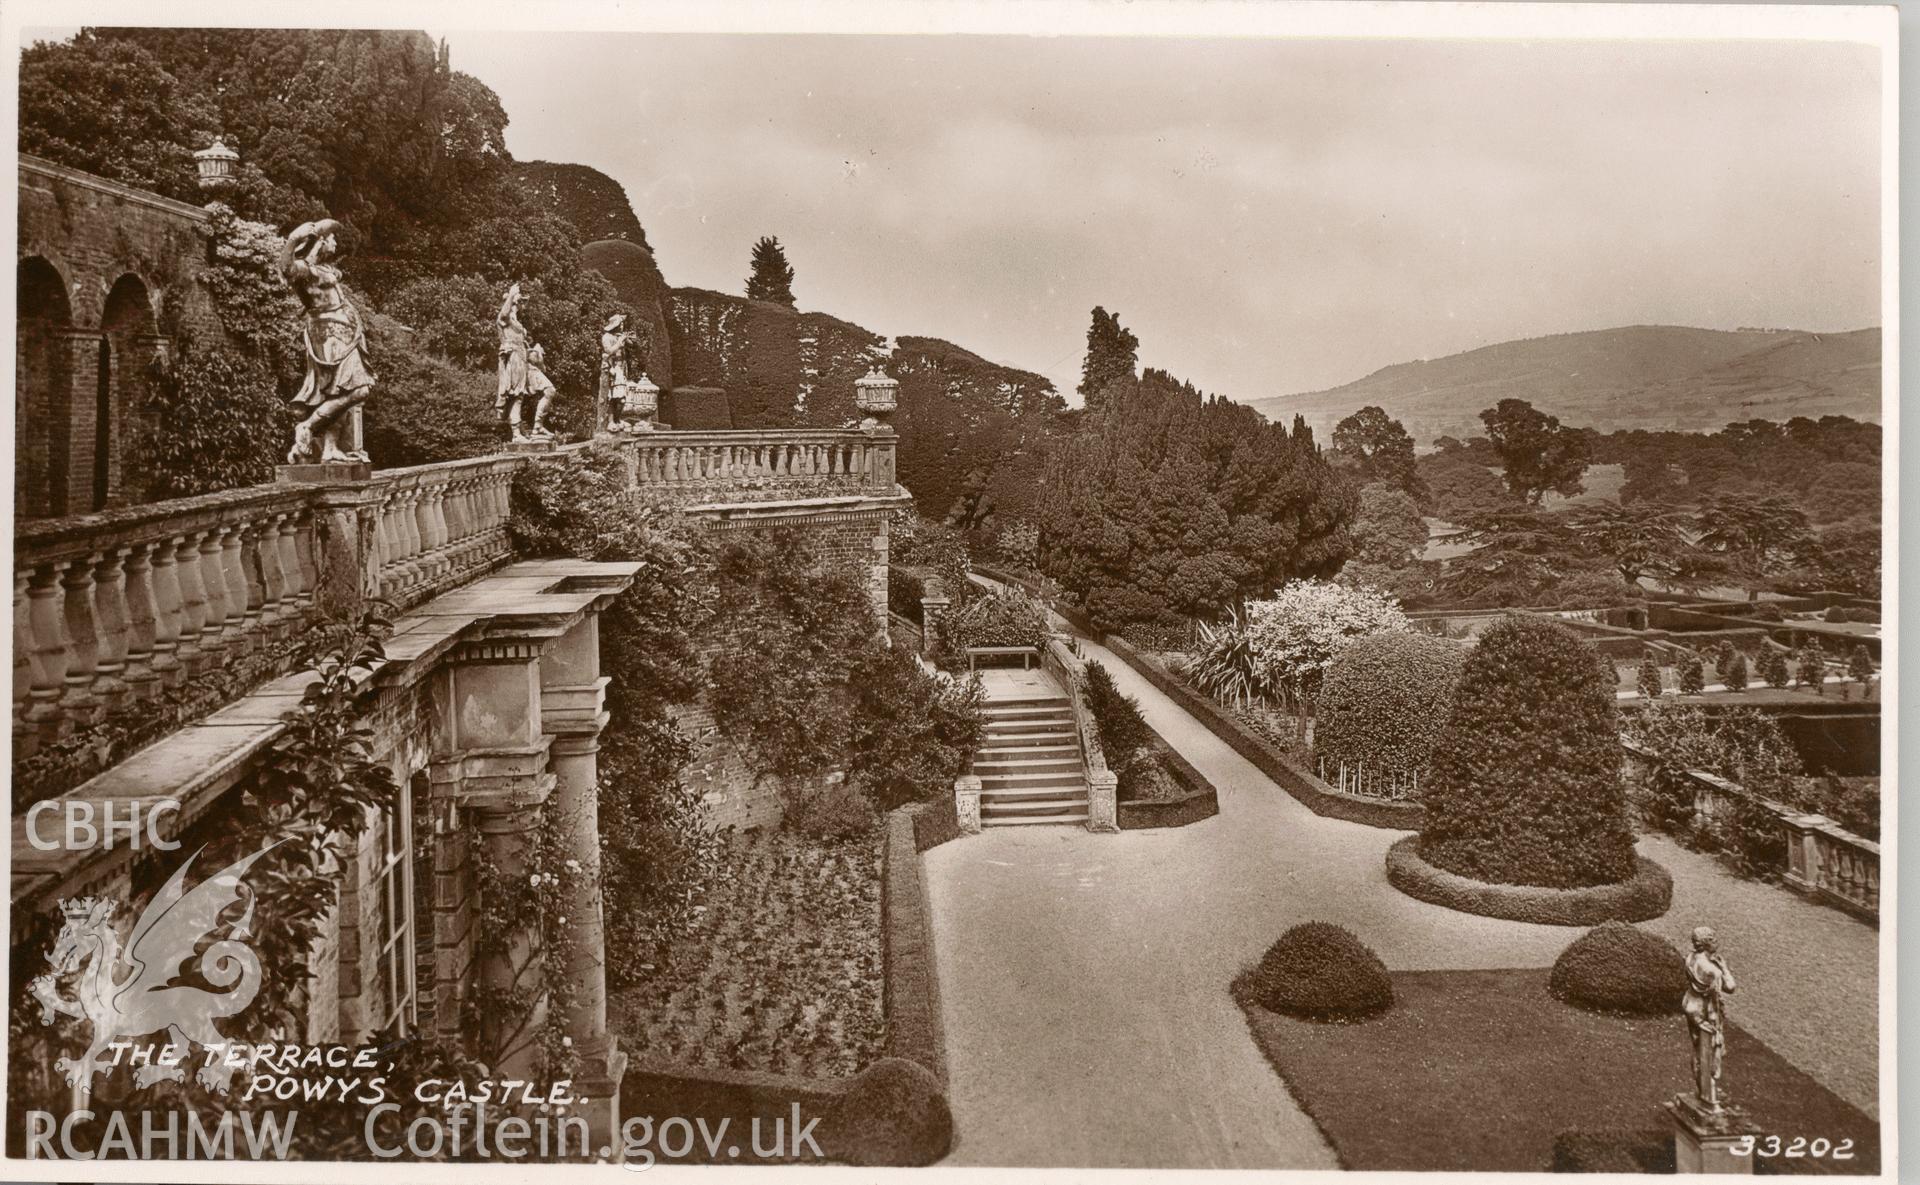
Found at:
<point>436,527</point>
<point>1824,859</point>
<point>110,609</point>
<point>761,465</point>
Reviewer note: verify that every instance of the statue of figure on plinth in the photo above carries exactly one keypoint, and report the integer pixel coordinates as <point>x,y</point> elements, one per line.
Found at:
<point>613,370</point>
<point>337,376</point>
<point>1708,982</point>
<point>512,387</point>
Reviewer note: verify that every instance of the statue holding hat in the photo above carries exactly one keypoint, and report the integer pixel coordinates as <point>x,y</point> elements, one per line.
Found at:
<point>337,378</point>
<point>613,369</point>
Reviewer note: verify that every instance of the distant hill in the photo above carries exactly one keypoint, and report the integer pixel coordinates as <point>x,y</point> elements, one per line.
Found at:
<point>1640,376</point>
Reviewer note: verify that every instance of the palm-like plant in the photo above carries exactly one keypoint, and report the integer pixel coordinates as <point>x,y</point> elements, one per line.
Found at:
<point>1224,665</point>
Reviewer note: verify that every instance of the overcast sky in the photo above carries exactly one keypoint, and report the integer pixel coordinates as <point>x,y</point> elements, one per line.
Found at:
<point>1268,216</point>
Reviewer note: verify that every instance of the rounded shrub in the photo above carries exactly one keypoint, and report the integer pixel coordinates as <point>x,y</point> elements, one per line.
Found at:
<point>1384,700</point>
<point>895,1114</point>
<point>1525,787</point>
<point>1615,967</point>
<point>1320,971</point>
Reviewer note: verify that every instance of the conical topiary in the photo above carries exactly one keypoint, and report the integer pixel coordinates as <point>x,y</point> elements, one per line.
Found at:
<point>1525,785</point>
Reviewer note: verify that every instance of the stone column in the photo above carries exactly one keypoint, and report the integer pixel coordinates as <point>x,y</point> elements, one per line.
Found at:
<point>1103,808</point>
<point>933,607</point>
<point>573,698</point>
<point>343,528</point>
<point>966,803</point>
<point>492,760</point>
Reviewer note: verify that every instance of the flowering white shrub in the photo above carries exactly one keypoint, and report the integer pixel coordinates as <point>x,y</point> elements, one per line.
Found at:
<point>1295,636</point>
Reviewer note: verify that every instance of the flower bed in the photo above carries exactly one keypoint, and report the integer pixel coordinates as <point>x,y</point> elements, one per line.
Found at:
<point>1316,795</point>
<point>1646,894</point>
<point>781,970</point>
<point>1176,793</point>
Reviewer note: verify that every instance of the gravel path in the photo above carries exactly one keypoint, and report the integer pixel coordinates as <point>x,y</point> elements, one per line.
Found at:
<point>1083,977</point>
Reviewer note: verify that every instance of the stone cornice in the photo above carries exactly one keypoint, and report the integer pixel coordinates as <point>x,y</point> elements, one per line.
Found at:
<point>46,168</point>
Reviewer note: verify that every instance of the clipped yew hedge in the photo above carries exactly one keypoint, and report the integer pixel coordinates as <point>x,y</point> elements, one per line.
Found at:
<point>1385,701</point>
<point>1319,971</point>
<point>1615,967</point>
<point>1524,787</point>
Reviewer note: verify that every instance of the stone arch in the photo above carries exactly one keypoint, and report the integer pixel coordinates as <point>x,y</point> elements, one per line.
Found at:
<point>128,339</point>
<point>43,320</point>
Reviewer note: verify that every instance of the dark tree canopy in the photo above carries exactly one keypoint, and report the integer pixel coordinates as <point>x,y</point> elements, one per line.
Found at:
<point>1525,786</point>
<point>1377,448</point>
<point>772,277</point>
<point>1170,505</point>
<point>1112,354</point>
<point>1756,536</point>
<point>1539,455</point>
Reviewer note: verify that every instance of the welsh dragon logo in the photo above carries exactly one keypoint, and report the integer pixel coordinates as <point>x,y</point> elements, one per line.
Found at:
<point>132,993</point>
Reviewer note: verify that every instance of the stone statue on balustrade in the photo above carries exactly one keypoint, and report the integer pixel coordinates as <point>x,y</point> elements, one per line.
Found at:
<point>613,374</point>
<point>1709,982</point>
<point>337,379</point>
<point>512,386</point>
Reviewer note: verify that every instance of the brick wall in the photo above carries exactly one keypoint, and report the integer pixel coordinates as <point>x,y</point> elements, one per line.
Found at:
<point>108,265</point>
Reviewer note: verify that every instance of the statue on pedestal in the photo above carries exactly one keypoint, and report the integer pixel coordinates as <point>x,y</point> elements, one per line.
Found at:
<point>613,370</point>
<point>337,376</point>
<point>512,386</point>
<point>1708,982</point>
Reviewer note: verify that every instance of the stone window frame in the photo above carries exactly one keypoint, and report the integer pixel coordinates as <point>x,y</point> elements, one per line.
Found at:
<point>392,882</point>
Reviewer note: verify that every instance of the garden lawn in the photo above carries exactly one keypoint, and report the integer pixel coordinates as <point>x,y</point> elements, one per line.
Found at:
<point>781,970</point>
<point>1482,1070</point>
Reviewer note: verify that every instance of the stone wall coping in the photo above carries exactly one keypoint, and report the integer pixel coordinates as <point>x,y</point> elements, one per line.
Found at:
<point>791,507</point>
<point>144,197</point>
<point>39,541</point>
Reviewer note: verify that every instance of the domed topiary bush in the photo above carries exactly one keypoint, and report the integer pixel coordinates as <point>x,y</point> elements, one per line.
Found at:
<point>1384,701</point>
<point>895,1114</point>
<point>1615,967</point>
<point>1524,787</point>
<point>1319,971</point>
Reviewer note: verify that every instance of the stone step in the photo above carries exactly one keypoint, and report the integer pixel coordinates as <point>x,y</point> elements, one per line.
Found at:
<point>1032,810</point>
<point>1047,711</point>
<point>1022,781</point>
<point>1016,748</point>
<point>1069,764</point>
<point>1014,728</point>
<point>1023,796</point>
<point>1023,702</point>
<point>1023,821</point>
<point>1041,737</point>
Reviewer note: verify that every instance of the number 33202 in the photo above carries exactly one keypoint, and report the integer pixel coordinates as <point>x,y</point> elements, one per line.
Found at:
<point>1798,1146</point>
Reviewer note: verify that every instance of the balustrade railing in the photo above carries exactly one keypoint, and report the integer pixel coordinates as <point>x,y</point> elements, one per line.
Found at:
<point>694,464</point>
<point>1823,857</point>
<point>112,608</point>
<point>438,526</point>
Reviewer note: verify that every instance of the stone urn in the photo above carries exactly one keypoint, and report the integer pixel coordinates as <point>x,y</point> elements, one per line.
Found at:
<point>643,403</point>
<point>876,396</point>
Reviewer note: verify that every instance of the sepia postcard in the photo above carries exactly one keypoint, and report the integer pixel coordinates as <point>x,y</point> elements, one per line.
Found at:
<point>607,588</point>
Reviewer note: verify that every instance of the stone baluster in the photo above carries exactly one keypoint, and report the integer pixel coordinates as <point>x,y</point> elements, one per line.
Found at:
<point>263,568</point>
<point>77,700</point>
<point>407,524</point>
<point>299,539</point>
<point>143,622</point>
<point>49,647</point>
<point>213,584</point>
<point>243,608</point>
<point>169,613</point>
<point>458,547</point>
<point>432,525</point>
<point>112,627</point>
<point>197,643</point>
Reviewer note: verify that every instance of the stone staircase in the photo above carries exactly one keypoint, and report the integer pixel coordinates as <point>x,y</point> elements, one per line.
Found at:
<point>1029,763</point>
